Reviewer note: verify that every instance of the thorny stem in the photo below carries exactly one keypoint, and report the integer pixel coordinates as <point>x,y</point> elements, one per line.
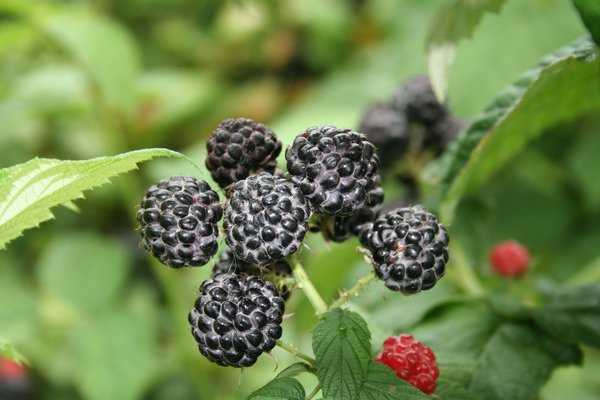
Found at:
<point>314,392</point>
<point>292,350</point>
<point>304,283</point>
<point>360,285</point>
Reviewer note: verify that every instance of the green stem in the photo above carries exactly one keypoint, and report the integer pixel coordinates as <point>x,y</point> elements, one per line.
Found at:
<point>307,287</point>
<point>314,392</point>
<point>292,350</point>
<point>464,274</point>
<point>353,291</point>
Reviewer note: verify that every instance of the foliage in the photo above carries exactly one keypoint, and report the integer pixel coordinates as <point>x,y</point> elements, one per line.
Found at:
<point>95,319</point>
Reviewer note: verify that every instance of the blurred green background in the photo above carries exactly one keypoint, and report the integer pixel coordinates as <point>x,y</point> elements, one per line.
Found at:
<point>97,319</point>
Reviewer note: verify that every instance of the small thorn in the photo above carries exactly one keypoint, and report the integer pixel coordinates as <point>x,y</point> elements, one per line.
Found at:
<point>287,316</point>
<point>240,378</point>
<point>304,245</point>
<point>274,359</point>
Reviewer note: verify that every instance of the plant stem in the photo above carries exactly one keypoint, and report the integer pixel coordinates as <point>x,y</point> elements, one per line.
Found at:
<point>292,350</point>
<point>465,276</point>
<point>307,287</point>
<point>314,392</point>
<point>360,285</point>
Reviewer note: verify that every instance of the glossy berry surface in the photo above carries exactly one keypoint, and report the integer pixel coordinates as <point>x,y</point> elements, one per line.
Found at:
<point>409,248</point>
<point>266,219</point>
<point>338,229</point>
<point>412,361</point>
<point>509,258</point>
<point>228,263</point>
<point>178,221</point>
<point>417,100</point>
<point>236,319</point>
<point>239,147</point>
<point>334,168</point>
<point>389,130</point>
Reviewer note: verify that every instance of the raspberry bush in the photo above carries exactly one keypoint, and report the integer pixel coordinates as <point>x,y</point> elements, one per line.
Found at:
<point>332,220</point>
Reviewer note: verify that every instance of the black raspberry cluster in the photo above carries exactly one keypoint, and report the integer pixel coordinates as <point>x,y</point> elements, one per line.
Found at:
<point>411,121</point>
<point>332,178</point>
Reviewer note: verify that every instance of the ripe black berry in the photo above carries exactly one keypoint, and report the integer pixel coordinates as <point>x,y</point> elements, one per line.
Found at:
<point>389,130</point>
<point>339,229</point>
<point>236,319</point>
<point>438,135</point>
<point>228,263</point>
<point>178,221</point>
<point>409,248</point>
<point>266,219</point>
<point>417,100</point>
<point>239,147</point>
<point>334,168</point>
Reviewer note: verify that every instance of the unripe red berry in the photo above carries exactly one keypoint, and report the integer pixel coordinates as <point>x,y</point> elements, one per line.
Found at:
<point>509,258</point>
<point>412,361</point>
<point>10,369</point>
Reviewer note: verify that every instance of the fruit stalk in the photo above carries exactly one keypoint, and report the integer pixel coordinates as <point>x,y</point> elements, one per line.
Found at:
<point>293,350</point>
<point>353,291</point>
<point>307,287</point>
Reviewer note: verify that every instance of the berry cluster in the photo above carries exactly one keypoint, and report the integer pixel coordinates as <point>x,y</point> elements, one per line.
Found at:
<point>332,179</point>
<point>412,119</point>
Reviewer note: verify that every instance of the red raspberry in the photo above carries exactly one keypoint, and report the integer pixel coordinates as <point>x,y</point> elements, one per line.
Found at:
<point>412,361</point>
<point>509,258</point>
<point>11,370</point>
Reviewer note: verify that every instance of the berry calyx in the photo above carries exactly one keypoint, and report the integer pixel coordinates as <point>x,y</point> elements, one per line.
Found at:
<point>413,361</point>
<point>509,258</point>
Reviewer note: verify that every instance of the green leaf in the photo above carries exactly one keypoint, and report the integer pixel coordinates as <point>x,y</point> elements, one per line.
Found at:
<point>570,314</point>
<point>29,190</point>
<point>454,21</point>
<point>382,383</point>
<point>7,350</point>
<point>565,82</point>
<point>116,355</point>
<point>517,361</point>
<point>589,11</point>
<point>491,357</point>
<point>106,51</point>
<point>88,286</point>
<point>342,347</point>
<point>294,369</point>
<point>280,389</point>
